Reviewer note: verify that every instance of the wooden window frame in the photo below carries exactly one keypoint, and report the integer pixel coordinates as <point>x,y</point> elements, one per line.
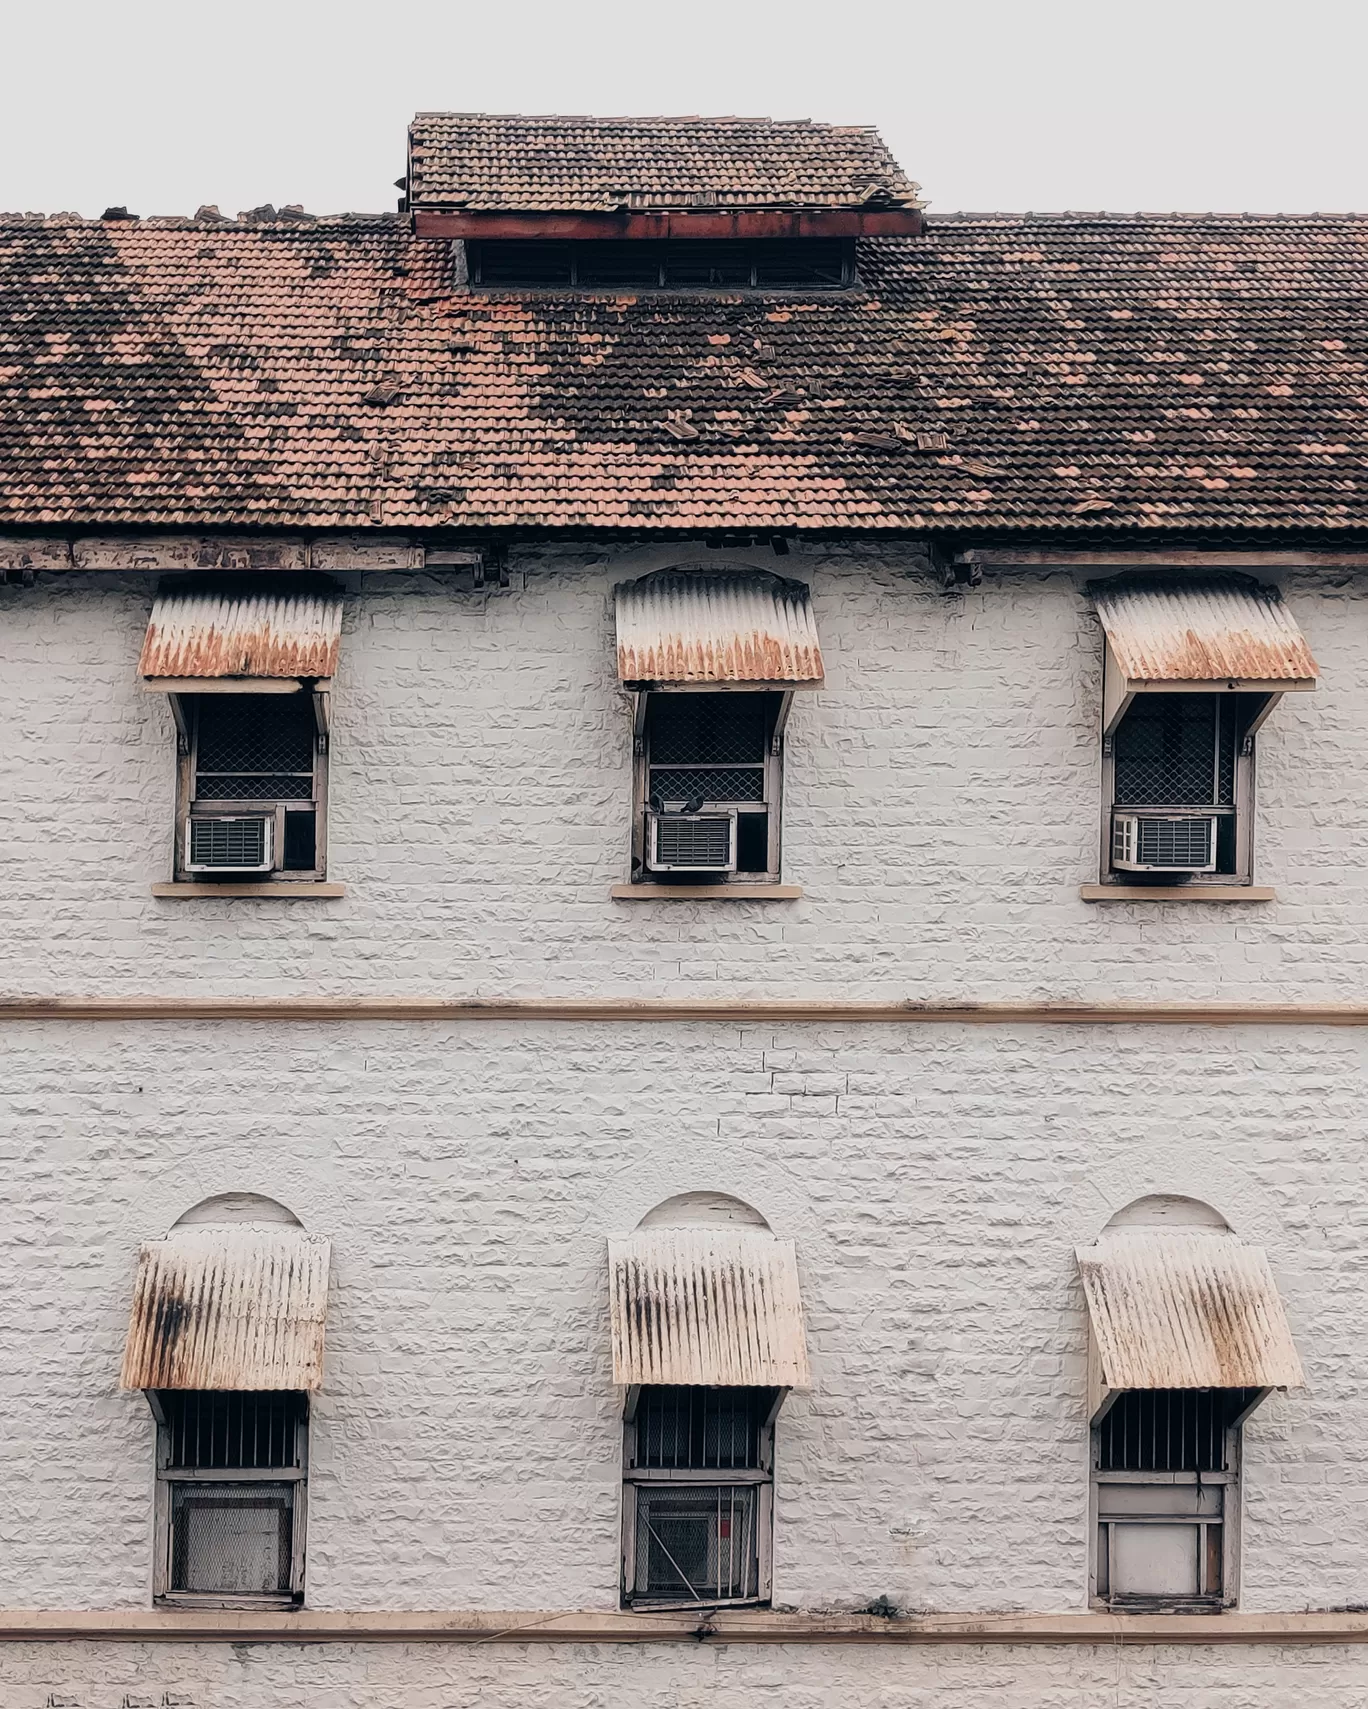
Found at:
<point>761,1478</point>
<point>1242,811</point>
<point>185,711</point>
<point>1229,1481</point>
<point>167,1477</point>
<point>772,804</point>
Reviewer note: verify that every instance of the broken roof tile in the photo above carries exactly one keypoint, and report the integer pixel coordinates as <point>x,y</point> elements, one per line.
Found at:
<point>212,374</point>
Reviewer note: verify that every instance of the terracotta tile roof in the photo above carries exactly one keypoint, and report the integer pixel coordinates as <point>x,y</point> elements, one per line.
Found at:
<point>1106,373</point>
<point>555,164</point>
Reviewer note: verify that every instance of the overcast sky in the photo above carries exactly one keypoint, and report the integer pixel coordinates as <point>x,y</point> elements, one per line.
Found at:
<point>1200,104</point>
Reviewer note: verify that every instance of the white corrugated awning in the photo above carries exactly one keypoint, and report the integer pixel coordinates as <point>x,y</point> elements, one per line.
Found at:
<point>742,628</point>
<point>1213,632</point>
<point>718,1307</point>
<point>1185,1309</point>
<point>237,1306</point>
<point>256,637</point>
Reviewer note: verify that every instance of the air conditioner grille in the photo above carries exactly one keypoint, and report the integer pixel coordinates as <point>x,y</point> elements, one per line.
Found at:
<point>693,840</point>
<point>235,843</point>
<point>1174,842</point>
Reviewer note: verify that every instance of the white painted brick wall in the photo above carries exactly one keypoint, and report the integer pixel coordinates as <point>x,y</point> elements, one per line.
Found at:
<point>467,1445</point>
<point>941,806</point>
<point>467,1442</point>
<point>431,1676</point>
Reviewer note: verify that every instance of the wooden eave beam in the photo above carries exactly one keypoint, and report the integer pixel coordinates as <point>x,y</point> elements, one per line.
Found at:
<point>1167,558</point>
<point>749,223</point>
<point>235,553</point>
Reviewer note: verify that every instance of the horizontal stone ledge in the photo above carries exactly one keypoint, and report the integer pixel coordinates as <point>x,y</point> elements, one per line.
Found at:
<point>737,1626</point>
<point>1177,893</point>
<point>706,892</point>
<point>744,1010</point>
<point>278,891</point>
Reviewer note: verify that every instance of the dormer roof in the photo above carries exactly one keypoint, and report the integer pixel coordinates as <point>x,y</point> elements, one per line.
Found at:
<point>501,163</point>
<point>655,176</point>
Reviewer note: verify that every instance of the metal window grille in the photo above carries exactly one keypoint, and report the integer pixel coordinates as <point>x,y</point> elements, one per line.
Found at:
<point>699,1482</point>
<point>1165,1467</point>
<point>232,1468</point>
<point>208,1431</point>
<point>254,747</point>
<point>701,1429</point>
<point>681,263</point>
<point>707,745</point>
<point>1176,750</point>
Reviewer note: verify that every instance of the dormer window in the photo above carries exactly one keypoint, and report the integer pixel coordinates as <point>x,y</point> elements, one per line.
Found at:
<point>679,264</point>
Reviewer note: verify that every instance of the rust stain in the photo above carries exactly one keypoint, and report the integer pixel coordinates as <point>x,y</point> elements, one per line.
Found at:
<point>718,1307</point>
<point>218,628</point>
<point>1211,629</point>
<point>1189,1309</point>
<point>233,1307</point>
<point>711,626</point>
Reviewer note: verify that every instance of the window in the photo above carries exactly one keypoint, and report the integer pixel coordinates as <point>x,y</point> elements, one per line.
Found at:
<point>808,264</point>
<point>231,1470</point>
<point>253,787</point>
<point>708,787</point>
<point>697,1501</point>
<point>1166,1479</point>
<point>1180,782</point>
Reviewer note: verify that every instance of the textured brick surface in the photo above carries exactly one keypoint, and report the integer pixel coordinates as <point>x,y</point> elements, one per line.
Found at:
<point>334,1676</point>
<point>941,806</point>
<point>941,811</point>
<point>466,1448</point>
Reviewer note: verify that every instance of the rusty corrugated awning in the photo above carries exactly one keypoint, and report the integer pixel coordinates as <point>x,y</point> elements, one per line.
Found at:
<point>237,1306</point>
<point>727,628</point>
<point>717,1307</point>
<point>1166,633</point>
<point>218,632</point>
<point>1185,1309</point>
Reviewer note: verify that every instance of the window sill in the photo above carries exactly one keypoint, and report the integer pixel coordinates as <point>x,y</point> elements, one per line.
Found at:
<point>1177,893</point>
<point>283,891</point>
<point>706,892</point>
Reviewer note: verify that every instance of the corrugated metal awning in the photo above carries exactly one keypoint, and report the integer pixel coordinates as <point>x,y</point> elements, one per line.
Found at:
<point>262,632</point>
<point>1167,633</point>
<point>228,1307</point>
<point>1185,1309</point>
<point>717,1307</point>
<point>704,626</point>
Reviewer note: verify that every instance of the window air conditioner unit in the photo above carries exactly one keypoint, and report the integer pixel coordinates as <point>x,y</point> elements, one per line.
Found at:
<point>1162,842</point>
<point>691,842</point>
<point>230,842</point>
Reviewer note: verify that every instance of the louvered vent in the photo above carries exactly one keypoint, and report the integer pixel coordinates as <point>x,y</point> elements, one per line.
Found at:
<point>692,842</point>
<point>237,842</point>
<point>1149,843</point>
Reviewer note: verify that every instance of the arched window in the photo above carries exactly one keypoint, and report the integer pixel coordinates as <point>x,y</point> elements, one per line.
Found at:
<point>226,1341</point>
<point>1187,1336</point>
<point>707,1341</point>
